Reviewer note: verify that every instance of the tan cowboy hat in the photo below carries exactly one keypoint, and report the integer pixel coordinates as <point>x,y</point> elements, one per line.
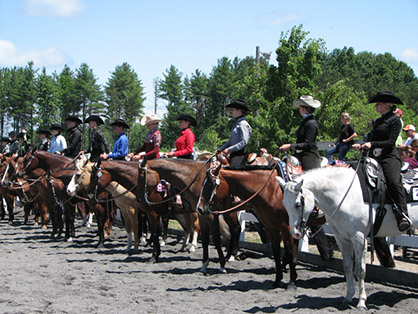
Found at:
<point>152,118</point>
<point>306,101</point>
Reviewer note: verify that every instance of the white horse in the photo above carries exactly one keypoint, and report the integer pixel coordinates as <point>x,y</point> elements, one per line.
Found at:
<point>326,188</point>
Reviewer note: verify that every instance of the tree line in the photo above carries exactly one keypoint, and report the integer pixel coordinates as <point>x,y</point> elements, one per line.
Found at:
<point>341,79</point>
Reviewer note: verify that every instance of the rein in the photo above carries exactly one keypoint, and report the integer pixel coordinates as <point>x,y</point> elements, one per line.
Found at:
<point>172,197</point>
<point>29,184</point>
<point>247,200</point>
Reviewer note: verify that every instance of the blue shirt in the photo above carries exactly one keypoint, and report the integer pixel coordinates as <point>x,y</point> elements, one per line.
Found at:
<point>120,148</point>
<point>240,136</point>
<point>58,143</point>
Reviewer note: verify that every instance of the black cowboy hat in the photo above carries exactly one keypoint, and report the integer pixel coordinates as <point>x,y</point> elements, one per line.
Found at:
<point>13,133</point>
<point>56,126</point>
<point>74,119</point>
<point>385,96</point>
<point>94,118</point>
<point>187,117</point>
<point>239,104</point>
<point>121,123</point>
<point>43,131</point>
<point>5,139</point>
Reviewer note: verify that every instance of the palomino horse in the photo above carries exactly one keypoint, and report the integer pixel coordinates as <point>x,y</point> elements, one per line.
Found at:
<point>183,173</point>
<point>259,183</point>
<point>338,193</point>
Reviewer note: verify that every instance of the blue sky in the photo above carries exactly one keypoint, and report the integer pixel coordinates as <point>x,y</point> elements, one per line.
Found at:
<point>152,35</point>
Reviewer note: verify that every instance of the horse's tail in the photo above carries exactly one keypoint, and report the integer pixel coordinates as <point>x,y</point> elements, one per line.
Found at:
<point>383,253</point>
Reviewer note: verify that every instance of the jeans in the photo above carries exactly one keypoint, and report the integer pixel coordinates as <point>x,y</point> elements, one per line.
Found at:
<point>341,149</point>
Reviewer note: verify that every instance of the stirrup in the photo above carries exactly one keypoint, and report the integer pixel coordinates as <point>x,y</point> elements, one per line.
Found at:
<point>405,223</point>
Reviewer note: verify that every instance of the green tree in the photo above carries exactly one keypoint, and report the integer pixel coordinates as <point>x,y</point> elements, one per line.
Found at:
<point>124,94</point>
<point>67,94</point>
<point>47,107</point>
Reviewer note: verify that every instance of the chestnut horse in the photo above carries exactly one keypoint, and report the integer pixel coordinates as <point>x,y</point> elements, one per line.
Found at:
<point>5,192</point>
<point>180,173</point>
<point>258,182</point>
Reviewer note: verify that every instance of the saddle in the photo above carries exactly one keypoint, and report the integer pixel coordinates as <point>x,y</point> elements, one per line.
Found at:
<point>293,167</point>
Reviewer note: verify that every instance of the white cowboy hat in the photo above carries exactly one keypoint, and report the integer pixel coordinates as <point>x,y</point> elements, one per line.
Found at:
<point>152,118</point>
<point>306,101</point>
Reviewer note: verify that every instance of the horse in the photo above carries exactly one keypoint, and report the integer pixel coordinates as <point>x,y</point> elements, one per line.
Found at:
<point>105,174</point>
<point>258,182</point>
<point>337,191</point>
<point>182,173</point>
<point>5,192</point>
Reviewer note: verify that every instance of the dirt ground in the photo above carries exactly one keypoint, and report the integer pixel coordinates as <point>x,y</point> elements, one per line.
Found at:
<point>41,275</point>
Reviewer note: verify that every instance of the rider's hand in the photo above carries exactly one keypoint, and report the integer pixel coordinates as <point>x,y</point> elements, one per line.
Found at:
<point>285,147</point>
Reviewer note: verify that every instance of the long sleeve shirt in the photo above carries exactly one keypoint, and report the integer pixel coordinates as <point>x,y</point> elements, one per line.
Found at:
<point>151,146</point>
<point>184,144</point>
<point>120,148</point>
<point>240,136</point>
<point>74,143</point>
<point>58,143</point>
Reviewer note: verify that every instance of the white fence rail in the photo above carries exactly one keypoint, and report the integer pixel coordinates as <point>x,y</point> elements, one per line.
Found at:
<point>401,240</point>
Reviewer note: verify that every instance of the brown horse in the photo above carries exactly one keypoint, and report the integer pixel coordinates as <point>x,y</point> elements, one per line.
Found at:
<point>9,196</point>
<point>268,204</point>
<point>180,173</point>
<point>104,174</point>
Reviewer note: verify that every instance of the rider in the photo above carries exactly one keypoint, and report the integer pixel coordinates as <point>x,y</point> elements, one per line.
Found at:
<point>184,144</point>
<point>382,144</point>
<point>13,145</point>
<point>24,145</point>
<point>308,155</point>
<point>236,147</point>
<point>74,138</point>
<point>58,142</point>
<point>97,142</point>
<point>45,143</point>
<point>151,147</point>
<point>121,146</point>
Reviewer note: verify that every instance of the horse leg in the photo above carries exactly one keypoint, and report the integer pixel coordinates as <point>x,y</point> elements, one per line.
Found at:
<point>9,202</point>
<point>100,218</point>
<point>275,238</point>
<point>235,229</point>
<point>360,251</point>
<point>164,229</point>
<point>43,211</point>
<point>346,247</point>
<point>216,235</point>
<point>2,210</point>
<point>154,221</point>
<point>290,255</point>
<point>204,228</point>
<point>195,230</point>
<point>26,208</point>
<point>142,228</point>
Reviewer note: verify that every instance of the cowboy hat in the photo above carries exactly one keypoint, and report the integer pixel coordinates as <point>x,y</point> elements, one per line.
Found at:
<point>238,104</point>
<point>56,126</point>
<point>152,118</point>
<point>385,96</point>
<point>187,117</point>
<point>43,131</point>
<point>94,118</point>
<point>23,135</point>
<point>409,127</point>
<point>5,139</point>
<point>120,122</point>
<point>306,101</point>
<point>74,119</point>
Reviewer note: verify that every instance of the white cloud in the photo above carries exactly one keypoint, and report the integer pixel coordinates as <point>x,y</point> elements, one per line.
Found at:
<point>52,8</point>
<point>10,56</point>
<point>410,55</point>
<point>274,20</point>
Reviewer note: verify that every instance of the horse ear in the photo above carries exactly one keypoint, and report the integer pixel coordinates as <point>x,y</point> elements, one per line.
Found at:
<point>298,186</point>
<point>281,182</point>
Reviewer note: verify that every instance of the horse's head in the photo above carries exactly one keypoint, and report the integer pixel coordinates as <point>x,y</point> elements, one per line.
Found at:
<point>81,177</point>
<point>26,164</point>
<point>299,203</point>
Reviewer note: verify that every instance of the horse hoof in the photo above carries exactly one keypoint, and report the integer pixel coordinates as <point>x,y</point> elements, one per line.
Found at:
<point>70,239</point>
<point>88,225</point>
<point>162,243</point>
<point>222,270</point>
<point>361,305</point>
<point>231,259</point>
<point>192,249</point>
<point>291,286</point>
<point>153,260</point>
<point>279,284</point>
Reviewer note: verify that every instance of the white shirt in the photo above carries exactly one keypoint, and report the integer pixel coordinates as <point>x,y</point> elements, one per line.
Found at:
<point>409,139</point>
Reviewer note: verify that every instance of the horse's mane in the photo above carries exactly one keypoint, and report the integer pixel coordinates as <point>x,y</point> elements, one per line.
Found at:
<point>251,168</point>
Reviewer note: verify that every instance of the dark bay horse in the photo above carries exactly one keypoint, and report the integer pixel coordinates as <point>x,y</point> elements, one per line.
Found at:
<point>268,204</point>
<point>54,173</point>
<point>180,173</point>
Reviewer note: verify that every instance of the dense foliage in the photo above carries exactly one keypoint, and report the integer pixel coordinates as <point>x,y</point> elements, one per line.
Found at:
<point>341,79</point>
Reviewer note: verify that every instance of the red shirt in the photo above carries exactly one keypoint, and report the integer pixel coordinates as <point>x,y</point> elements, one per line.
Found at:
<point>184,144</point>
